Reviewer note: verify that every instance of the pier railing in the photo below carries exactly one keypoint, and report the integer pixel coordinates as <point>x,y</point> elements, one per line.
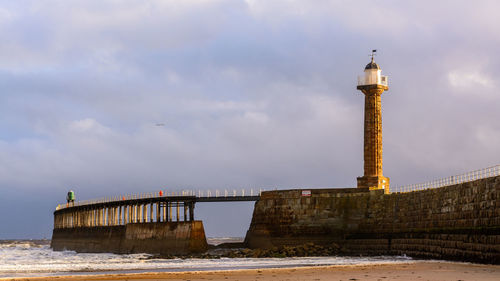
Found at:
<point>245,194</point>
<point>465,177</point>
<point>199,194</point>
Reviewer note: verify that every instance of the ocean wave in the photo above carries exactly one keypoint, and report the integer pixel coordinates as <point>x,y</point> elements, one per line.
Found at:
<point>219,240</point>
<point>27,258</point>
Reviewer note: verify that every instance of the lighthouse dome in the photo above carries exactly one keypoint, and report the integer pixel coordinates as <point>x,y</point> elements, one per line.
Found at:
<point>372,65</point>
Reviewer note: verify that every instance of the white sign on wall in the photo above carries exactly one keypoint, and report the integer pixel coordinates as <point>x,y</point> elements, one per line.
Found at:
<point>306,193</point>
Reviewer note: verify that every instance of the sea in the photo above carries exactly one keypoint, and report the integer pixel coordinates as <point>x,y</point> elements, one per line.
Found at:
<point>34,258</point>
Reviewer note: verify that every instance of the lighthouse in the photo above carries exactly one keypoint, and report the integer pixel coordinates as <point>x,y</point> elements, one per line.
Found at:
<point>373,84</point>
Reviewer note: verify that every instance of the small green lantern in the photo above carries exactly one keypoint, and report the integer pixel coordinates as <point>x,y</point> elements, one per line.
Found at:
<point>71,196</point>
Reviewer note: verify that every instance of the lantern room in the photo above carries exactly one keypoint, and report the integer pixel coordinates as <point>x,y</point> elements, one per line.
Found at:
<point>373,75</point>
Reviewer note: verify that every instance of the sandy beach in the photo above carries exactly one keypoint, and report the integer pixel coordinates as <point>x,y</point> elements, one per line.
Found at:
<point>407,271</point>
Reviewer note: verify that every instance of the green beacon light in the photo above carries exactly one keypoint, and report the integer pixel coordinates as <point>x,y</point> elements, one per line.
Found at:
<point>70,197</point>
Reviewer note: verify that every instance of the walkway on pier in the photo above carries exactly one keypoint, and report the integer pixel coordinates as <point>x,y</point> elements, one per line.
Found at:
<point>198,196</point>
<point>160,206</point>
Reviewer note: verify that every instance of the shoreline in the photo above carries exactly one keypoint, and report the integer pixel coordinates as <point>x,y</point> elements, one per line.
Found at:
<point>420,270</point>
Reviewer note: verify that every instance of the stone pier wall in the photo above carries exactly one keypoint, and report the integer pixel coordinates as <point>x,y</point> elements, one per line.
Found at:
<point>458,222</point>
<point>169,238</point>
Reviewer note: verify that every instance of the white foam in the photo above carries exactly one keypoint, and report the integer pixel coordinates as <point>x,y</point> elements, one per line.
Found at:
<point>24,258</point>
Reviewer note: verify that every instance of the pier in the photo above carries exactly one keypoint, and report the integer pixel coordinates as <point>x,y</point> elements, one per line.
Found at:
<point>142,208</point>
<point>160,222</point>
<point>454,218</point>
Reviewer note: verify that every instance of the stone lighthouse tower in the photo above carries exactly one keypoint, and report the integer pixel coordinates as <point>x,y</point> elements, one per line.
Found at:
<point>373,84</point>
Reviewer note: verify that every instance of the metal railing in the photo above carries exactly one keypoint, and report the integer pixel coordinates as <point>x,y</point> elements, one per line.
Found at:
<point>466,177</point>
<point>223,193</point>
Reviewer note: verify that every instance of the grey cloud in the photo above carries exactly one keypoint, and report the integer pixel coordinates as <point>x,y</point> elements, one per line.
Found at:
<point>252,94</point>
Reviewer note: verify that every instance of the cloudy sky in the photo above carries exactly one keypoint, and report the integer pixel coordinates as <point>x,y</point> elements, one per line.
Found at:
<point>252,94</point>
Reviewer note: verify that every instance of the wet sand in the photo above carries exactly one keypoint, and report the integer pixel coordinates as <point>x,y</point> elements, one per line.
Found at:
<point>407,271</point>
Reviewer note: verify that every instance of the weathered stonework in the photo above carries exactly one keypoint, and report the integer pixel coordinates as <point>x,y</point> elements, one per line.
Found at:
<point>458,222</point>
<point>168,238</point>
<point>373,175</point>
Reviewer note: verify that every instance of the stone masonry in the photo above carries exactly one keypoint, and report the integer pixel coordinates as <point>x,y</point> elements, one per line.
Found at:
<point>373,176</point>
<point>457,222</point>
<point>167,238</point>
